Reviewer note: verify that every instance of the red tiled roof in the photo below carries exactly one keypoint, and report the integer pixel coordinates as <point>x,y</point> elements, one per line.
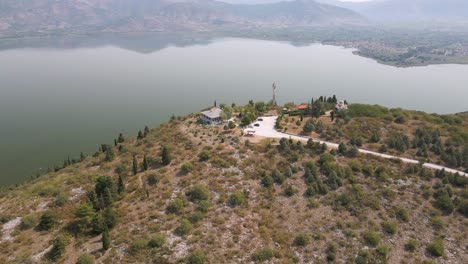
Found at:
<point>302,107</point>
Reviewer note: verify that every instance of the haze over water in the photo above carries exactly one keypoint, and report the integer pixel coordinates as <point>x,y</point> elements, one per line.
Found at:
<point>59,102</point>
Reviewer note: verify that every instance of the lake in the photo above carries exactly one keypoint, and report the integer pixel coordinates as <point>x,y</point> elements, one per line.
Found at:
<point>60,97</point>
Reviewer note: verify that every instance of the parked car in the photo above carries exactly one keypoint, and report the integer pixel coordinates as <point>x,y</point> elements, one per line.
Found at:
<point>250,126</point>
<point>257,125</point>
<point>260,119</point>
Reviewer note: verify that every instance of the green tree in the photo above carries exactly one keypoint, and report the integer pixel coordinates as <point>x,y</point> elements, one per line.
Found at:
<point>145,163</point>
<point>105,239</point>
<point>309,126</point>
<point>110,218</point>
<point>110,156</point>
<point>166,156</point>
<point>58,248</point>
<point>121,138</point>
<point>135,165</point>
<point>97,224</point>
<point>121,185</point>
<point>48,220</point>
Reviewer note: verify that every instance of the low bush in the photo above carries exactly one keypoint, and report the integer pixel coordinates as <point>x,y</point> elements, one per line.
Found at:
<point>263,254</point>
<point>198,193</point>
<point>157,241</point>
<point>301,240</point>
<point>237,198</point>
<point>411,245</point>
<point>48,220</point>
<point>436,248</point>
<point>389,227</point>
<point>184,228</point>
<point>372,238</point>
<point>85,259</point>
<point>197,257</point>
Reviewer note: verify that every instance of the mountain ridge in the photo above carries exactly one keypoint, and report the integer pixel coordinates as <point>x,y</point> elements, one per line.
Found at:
<point>164,15</point>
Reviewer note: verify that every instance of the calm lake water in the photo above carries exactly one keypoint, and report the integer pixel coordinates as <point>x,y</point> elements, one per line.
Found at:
<point>59,97</point>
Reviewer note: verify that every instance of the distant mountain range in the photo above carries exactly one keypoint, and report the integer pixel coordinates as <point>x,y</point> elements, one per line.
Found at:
<point>408,10</point>
<point>164,15</point>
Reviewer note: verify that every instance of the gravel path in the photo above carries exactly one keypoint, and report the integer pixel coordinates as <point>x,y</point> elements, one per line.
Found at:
<point>267,129</point>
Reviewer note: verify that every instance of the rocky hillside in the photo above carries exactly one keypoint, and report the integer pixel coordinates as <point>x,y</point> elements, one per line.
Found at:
<point>185,193</point>
<point>162,15</point>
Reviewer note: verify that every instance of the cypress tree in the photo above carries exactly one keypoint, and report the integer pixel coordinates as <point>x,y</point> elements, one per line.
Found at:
<point>105,239</point>
<point>107,198</point>
<point>165,156</point>
<point>140,135</point>
<point>146,131</point>
<point>135,166</point>
<point>145,163</point>
<point>97,224</point>
<point>115,142</point>
<point>121,185</point>
<point>121,138</point>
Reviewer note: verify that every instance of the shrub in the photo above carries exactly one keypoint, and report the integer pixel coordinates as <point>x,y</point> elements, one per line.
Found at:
<point>267,181</point>
<point>290,191</point>
<point>61,199</point>
<point>157,241</point>
<point>153,179</point>
<point>197,257</point>
<point>196,217</point>
<point>437,223</point>
<point>301,240</point>
<point>444,202</point>
<point>331,252</point>
<point>175,207</point>
<point>372,238</point>
<point>263,254</point>
<point>58,248</point>
<point>436,248</point>
<point>203,206</point>
<point>187,167</point>
<point>138,245</point>
<point>198,193</point>
<point>204,155</point>
<point>85,259</point>
<point>402,214</point>
<point>28,221</point>
<point>389,227</point>
<point>463,207</point>
<point>48,220</point>
<point>184,228</point>
<point>411,245</point>
<point>237,199</point>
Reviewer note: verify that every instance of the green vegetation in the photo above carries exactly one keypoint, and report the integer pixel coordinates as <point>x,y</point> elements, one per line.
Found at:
<point>263,254</point>
<point>295,200</point>
<point>372,238</point>
<point>436,248</point>
<point>301,240</point>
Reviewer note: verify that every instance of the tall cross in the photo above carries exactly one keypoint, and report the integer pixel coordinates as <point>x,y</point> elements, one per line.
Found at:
<point>274,93</point>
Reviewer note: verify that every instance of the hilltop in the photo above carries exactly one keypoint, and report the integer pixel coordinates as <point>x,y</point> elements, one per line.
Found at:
<point>185,192</point>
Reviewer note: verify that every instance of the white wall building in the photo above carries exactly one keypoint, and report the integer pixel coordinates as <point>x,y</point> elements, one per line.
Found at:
<point>212,116</point>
